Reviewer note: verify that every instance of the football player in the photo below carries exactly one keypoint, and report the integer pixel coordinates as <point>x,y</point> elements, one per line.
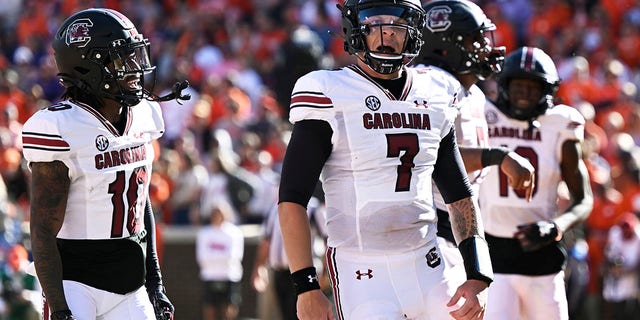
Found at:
<point>524,236</point>
<point>90,156</point>
<point>378,132</point>
<point>458,38</point>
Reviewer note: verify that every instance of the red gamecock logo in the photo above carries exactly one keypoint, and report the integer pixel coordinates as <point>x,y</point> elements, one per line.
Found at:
<point>438,19</point>
<point>78,32</point>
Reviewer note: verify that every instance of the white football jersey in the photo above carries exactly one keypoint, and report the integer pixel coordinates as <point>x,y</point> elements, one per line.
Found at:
<point>109,172</point>
<point>471,131</point>
<point>504,208</point>
<point>377,181</point>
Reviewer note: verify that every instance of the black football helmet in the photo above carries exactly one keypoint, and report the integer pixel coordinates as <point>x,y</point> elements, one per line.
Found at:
<point>95,48</point>
<point>528,63</point>
<point>448,25</point>
<point>355,12</point>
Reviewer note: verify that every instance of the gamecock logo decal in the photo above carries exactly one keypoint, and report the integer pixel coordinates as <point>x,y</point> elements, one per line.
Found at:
<point>438,18</point>
<point>78,32</point>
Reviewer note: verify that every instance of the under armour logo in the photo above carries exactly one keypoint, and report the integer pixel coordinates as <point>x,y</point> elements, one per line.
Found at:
<point>312,279</point>
<point>420,103</point>
<point>433,259</point>
<point>359,274</point>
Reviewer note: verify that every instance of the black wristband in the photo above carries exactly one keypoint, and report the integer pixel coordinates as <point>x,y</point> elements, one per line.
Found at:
<point>62,315</point>
<point>305,280</point>
<point>493,156</point>
<point>477,262</point>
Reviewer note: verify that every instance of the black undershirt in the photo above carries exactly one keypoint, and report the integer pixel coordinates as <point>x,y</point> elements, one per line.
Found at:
<point>395,86</point>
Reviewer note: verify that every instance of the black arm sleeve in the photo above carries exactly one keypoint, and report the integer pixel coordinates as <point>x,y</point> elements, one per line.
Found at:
<point>449,173</point>
<point>153,277</point>
<point>308,150</point>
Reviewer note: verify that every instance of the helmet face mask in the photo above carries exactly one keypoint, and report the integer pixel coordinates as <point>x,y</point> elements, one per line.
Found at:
<point>100,52</point>
<point>458,37</point>
<point>131,59</point>
<point>364,20</point>
<point>528,63</point>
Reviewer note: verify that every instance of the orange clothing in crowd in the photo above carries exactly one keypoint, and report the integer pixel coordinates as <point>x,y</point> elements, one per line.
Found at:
<point>616,10</point>
<point>574,90</point>
<point>605,213</point>
<point>19,99</point>
<point>628,46</point>
<point>630,199</point>
<point>608,94</point>
<point>505,35</point>
<point>551,17</point>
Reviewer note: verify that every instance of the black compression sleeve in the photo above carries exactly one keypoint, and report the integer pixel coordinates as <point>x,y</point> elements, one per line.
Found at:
<point>153,277</point>
<point>308,150</point>
<point>449,172</point>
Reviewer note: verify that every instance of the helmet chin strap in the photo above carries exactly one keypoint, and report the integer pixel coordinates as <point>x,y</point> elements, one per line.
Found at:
<point>382,65</point>
<point>132,100</point>
<point>176,93</point>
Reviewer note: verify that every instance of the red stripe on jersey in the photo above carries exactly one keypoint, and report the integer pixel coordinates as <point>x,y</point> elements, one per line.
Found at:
<point>309,99</point>
<point>333,276</point>
<point>574,124</point>
<point>45,142</point>
<point>45,308</point>
<point>102,119</point>
<point>527,59</point>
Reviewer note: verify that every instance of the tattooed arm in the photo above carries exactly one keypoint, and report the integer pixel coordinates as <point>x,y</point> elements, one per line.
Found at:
<point>465,219</point>
<point>49,191</point>
<point>468,231</point>
<point>451,178</point>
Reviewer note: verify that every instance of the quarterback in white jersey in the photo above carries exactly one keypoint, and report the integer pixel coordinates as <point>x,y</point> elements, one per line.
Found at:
<point>376,133</point>
<point>524,235</point>
<point>90,156</point>
<point>379,143</point>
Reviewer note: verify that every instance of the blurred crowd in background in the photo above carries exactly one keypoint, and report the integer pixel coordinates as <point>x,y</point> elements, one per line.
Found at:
<point>242,58</point>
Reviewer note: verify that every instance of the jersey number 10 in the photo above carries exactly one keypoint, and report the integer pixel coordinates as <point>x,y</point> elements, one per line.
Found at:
<point>137,180</point>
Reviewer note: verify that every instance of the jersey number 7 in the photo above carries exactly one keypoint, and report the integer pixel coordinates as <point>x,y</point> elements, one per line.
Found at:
<point>407,142</point>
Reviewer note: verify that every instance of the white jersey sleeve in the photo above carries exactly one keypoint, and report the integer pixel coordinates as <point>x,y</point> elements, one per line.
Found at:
<point>471,131</point>
<point>377,180</point>
<point>109,172</point>
<point>504,208</point>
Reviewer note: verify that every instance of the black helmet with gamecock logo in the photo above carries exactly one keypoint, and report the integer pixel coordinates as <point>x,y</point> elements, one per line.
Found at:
<point>97,48</point>
<point>458,37</point>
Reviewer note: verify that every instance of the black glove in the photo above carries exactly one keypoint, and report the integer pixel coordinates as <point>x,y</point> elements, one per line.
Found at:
<point>161,304</point>
<point>62,315</point>
<point>536,235</point>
